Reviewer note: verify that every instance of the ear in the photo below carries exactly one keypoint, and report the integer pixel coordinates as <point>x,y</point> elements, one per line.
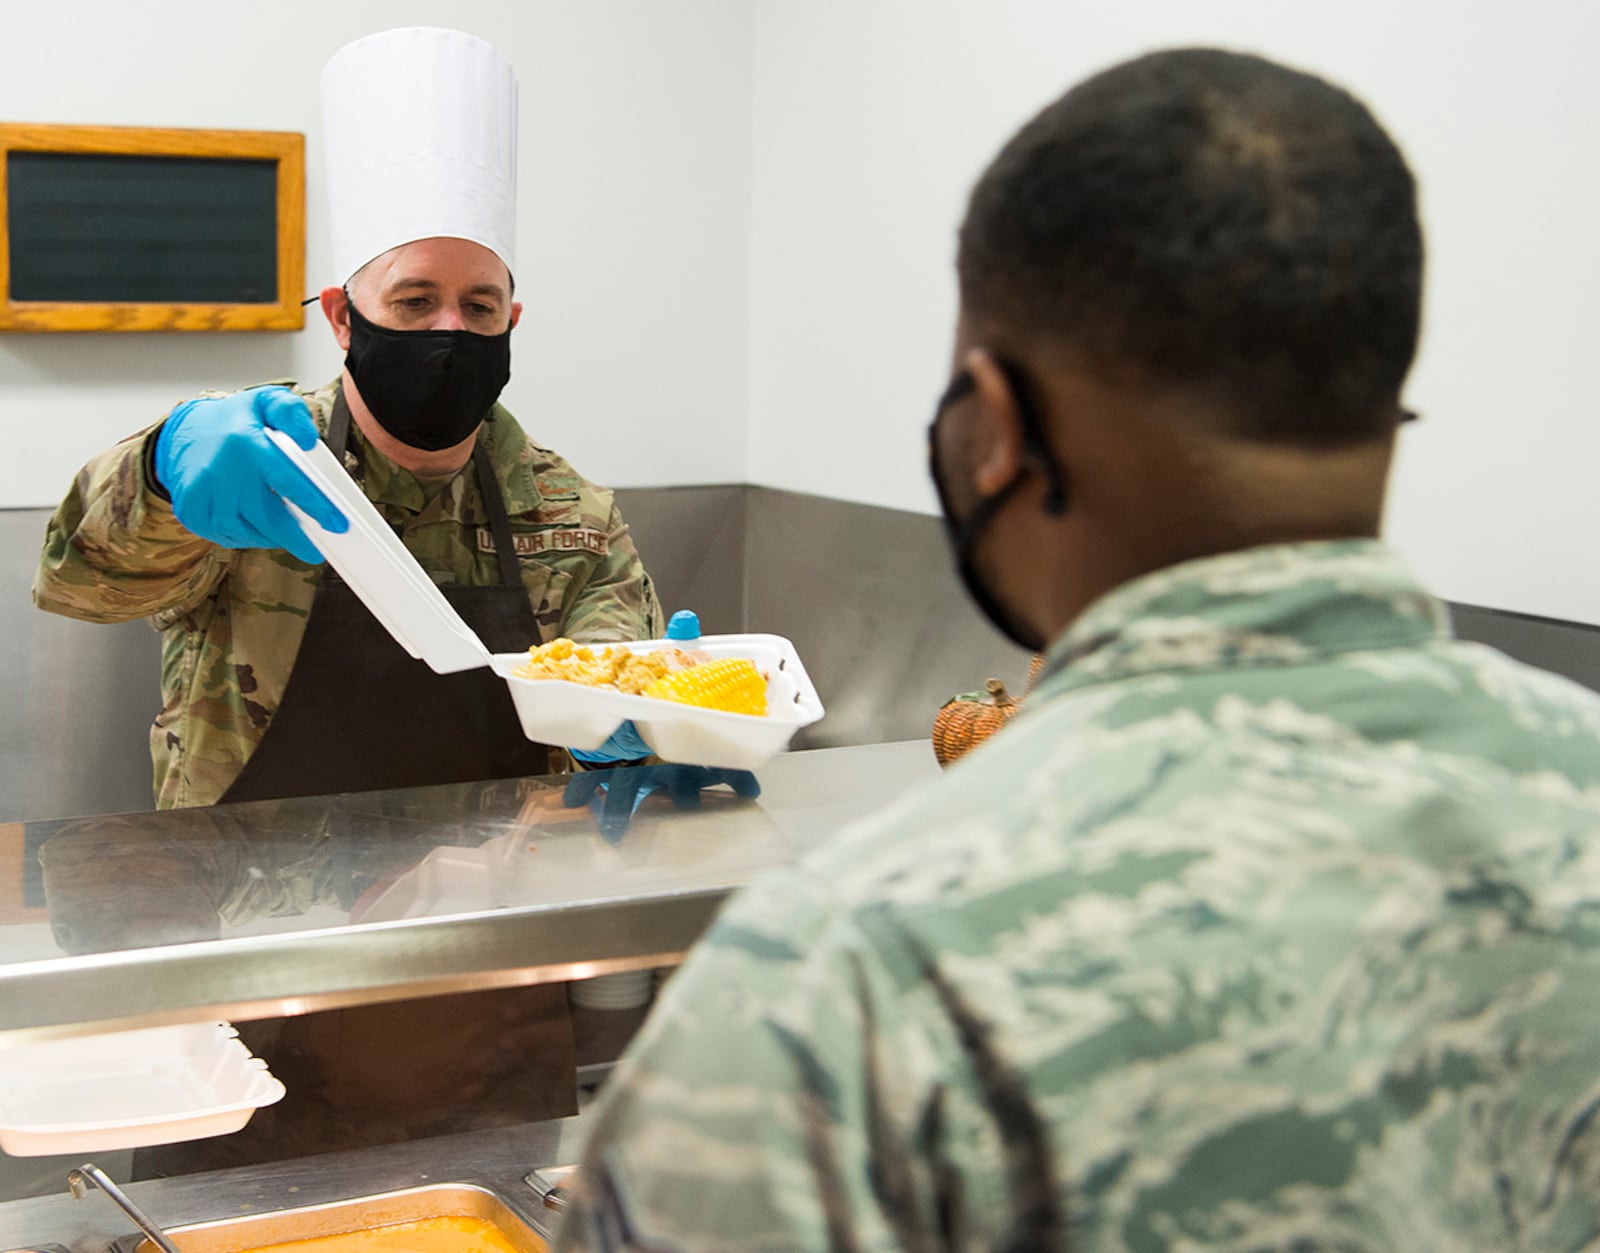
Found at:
<point>997,443</point>
<point>516,312</point>
<point>336,308</point>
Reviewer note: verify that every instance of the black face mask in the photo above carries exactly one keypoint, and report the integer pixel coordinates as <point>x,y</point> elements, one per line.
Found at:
<point>429,389</point>
<point>964,532</point>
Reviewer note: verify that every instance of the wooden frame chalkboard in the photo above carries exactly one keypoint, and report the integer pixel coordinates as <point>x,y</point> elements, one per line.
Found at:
<point>113,228</point>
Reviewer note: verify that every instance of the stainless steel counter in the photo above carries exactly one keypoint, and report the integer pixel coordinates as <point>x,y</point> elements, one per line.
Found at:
<point>272,908</point>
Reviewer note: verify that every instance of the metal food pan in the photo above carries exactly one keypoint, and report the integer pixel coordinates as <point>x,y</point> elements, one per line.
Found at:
<point>252,1231</point>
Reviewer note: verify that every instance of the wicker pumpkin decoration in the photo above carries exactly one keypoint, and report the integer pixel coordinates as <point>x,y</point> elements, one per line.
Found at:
<point>967,720</point>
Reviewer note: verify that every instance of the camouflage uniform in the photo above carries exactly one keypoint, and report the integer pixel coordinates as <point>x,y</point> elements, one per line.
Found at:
<point>232,619</point>
<point>1272,923</point>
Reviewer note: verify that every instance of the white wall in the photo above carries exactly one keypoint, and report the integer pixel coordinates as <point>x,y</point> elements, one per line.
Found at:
<point>634,162</point>
<point>738,220</point>
<point>872,120</point>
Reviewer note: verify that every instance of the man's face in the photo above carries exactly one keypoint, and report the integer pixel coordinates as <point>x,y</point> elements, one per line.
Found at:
<point>438,284</point>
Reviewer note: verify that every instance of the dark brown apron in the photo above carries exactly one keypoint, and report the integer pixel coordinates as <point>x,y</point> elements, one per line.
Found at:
<point>361,714</point>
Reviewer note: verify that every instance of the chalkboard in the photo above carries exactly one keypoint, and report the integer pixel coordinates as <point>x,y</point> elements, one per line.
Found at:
<point>104,227</point>
<point>122,228</point>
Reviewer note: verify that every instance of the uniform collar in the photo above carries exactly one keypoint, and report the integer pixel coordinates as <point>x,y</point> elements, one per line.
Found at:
<point>1276,605</point>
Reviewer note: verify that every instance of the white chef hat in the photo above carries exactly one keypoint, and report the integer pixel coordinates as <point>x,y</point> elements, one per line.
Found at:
<point>420,130</point>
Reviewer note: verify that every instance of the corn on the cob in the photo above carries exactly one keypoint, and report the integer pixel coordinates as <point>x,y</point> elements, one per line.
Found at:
<point>731,684</point>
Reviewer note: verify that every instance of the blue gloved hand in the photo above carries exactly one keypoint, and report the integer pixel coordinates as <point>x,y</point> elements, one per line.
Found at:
<point>228,481</point>
<point>615,795</point>
<point>625,744</point>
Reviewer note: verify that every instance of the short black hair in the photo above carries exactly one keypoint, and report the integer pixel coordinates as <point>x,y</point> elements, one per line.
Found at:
<point>1214,224</point>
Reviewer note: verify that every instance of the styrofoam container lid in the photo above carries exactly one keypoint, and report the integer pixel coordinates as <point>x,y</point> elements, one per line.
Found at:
<point>129,1089</point>
<point>380,569</point>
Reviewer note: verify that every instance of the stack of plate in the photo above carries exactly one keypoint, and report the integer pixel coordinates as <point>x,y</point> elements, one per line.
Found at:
<point>631,989</point>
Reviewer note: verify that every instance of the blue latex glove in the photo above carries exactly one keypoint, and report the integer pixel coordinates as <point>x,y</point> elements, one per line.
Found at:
<point>614,795</point>
<point>684,625</point>
<point>228,481</point>
<point>625,744</point>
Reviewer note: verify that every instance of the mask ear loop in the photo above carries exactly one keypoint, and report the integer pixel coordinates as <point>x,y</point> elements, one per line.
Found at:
<point>1034,443</point>
<point>965,532</point>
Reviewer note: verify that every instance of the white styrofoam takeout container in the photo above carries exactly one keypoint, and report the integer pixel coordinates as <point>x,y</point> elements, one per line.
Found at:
<point>556,712</point>
<point>129,1089</point>
<point>378,567</point>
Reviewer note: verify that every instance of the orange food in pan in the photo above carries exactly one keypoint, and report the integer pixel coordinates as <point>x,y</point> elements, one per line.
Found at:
<point>455,1233</point>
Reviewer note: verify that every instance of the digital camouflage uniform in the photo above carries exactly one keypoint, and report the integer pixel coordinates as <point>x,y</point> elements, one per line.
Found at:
<point>232,619</point>
<point>1272,923</point>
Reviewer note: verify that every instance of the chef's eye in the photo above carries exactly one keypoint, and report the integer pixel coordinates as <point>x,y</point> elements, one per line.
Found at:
<point>415,303</point>
<point>480,310</point>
